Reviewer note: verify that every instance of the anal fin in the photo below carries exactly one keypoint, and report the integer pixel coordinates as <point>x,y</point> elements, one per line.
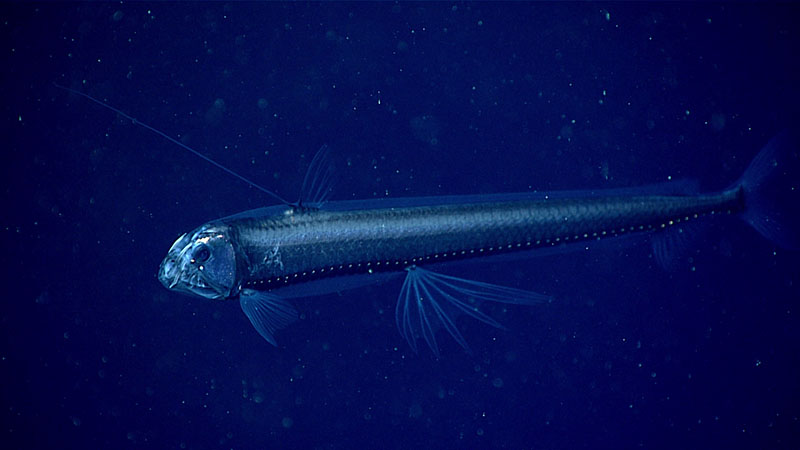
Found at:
<point>672,246</point>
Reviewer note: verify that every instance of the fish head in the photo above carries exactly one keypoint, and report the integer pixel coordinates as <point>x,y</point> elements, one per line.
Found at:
<point>202,263</point>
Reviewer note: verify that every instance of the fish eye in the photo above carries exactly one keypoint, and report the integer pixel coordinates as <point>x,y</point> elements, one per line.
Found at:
<point>201,254</point>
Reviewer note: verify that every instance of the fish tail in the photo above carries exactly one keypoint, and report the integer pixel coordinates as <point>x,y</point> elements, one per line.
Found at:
<point>771,191</point>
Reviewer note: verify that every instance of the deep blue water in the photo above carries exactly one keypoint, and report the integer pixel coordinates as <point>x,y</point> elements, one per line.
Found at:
<point>416,99</point>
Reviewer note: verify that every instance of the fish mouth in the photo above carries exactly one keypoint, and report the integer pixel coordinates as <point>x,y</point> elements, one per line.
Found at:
<point>169,273</point>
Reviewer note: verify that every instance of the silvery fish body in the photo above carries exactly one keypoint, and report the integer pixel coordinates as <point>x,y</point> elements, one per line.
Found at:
<point>297,245</point>
<point>263,257</point>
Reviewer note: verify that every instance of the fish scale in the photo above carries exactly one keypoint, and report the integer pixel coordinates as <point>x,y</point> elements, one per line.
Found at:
<point>317,243</point>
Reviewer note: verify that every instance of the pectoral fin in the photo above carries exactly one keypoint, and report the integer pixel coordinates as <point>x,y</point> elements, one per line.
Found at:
<point>429,301</point>
<point>267,312</point>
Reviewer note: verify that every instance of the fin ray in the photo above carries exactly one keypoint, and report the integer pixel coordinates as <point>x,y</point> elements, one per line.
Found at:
<point>674,244</point>
<point>319,180</point>
<point>772,192</point>
<point>448,324</point>
<point>267,312</point>
<point>429,301</point>
<point>472,311</point>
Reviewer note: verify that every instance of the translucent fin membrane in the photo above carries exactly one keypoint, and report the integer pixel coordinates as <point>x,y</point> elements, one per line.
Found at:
<point>674,244</point>
<point>267,312</point>
<point>771,187</point>
<point>319,180</point>
<point>429,301</point>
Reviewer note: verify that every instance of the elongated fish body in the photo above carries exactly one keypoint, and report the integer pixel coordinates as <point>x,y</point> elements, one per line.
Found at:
<point>258,256</point>
<point>299,245</point>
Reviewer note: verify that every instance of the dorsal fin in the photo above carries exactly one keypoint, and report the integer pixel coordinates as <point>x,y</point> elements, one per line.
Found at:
<point>176,142</point>
<point>319,180</point>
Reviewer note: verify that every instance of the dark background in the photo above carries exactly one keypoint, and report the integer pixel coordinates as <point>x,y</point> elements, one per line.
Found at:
<point>416,99</point>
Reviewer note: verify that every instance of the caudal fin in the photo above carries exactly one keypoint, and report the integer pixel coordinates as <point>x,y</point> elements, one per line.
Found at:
<point>771,187</point>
